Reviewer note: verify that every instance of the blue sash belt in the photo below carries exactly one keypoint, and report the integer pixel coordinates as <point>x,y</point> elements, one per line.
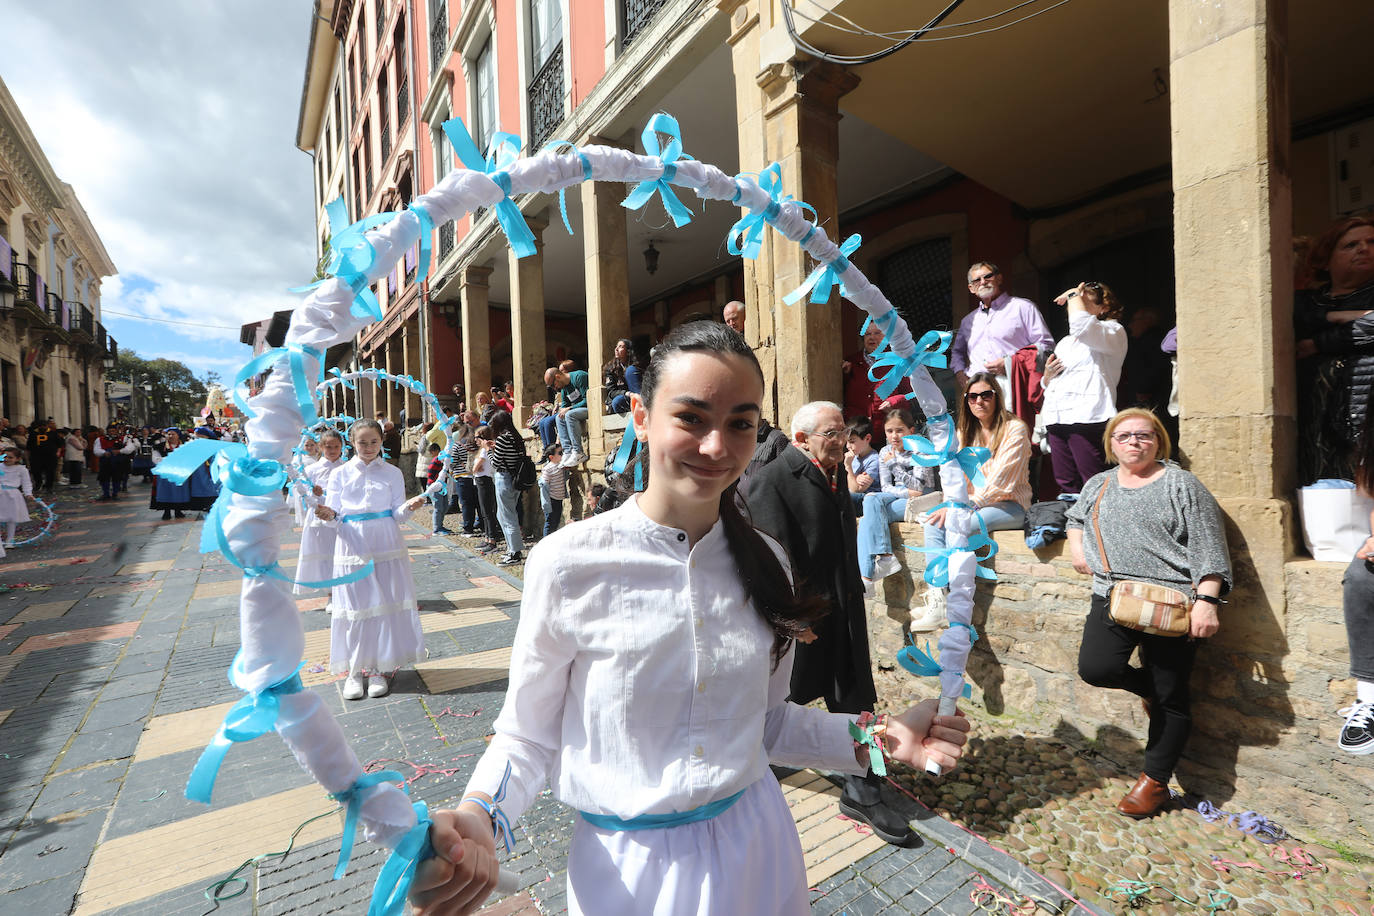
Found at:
<point>365,516</point>
<point>655,821</point>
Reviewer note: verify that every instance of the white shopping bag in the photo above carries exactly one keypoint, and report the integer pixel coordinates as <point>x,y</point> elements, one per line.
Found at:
<point>1335,522</point>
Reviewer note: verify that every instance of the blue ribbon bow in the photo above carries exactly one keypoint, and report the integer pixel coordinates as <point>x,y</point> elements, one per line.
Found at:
<point>749,228</point>
<point>249,718</point>
<point>889,369</point>
<point>502,152</point>
<point>352,799</point>
<point>937,564</point>
<point>669,155</point>
<point>295,355</point>
<point>351,256</point>
<point>922,664</point>
<point>822,281</point>
<point>555,146</point>
<point>393,881</point>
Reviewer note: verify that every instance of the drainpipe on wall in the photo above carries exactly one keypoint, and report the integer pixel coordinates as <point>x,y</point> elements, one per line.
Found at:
<point>426,371</point>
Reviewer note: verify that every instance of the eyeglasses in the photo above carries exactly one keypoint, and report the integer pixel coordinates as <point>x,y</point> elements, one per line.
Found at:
<point>830,434</point>
<point>1123,438</point>
<point>974,281</point>
<point>980,396</point>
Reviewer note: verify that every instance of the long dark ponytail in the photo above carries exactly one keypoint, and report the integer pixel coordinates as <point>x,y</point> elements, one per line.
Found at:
<point>786,611</point>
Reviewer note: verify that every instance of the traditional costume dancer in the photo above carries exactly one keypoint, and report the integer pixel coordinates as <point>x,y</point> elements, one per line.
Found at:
<point>376,627</point>
<point>650,689</point>
<point>316,562</point>
<point>204,488</point>
<point>113,450</point>
<point>168,496</point>
<point>15,485</point>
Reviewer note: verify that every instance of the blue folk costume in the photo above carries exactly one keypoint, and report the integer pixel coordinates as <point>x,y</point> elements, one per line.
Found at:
<point>167,495</point>
<point>203,488</point>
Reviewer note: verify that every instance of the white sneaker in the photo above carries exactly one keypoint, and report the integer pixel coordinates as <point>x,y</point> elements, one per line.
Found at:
<point>572,459</point>
<point>869,590</point>
<point>378,685</point>
<point>932,616</point>
<point>885,565</point>
<point>354,687</point>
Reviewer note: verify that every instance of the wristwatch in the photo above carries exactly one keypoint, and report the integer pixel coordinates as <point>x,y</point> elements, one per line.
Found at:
<point>1211,599</point>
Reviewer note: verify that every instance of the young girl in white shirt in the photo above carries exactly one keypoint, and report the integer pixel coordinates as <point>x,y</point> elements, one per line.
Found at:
<point>376,626</point>
<point>315,562</point>
<point>15,485</point>
<point>649,678</point>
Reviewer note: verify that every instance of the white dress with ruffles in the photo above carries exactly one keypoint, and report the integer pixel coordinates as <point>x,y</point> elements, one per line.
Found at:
<point>315,563</point>
<point>15,484</point>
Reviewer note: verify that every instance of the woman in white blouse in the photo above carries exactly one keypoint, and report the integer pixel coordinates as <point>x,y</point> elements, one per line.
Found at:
<point>1080,384</point>
<point>649,680</point>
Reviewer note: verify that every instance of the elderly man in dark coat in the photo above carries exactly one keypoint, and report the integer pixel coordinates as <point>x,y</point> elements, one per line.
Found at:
<point>801,498</point>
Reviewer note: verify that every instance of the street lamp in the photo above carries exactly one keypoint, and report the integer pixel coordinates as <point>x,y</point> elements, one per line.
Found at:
<point>108,362</point>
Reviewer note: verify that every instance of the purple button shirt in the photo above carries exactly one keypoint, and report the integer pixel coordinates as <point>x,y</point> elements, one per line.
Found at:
<point>999,330</point>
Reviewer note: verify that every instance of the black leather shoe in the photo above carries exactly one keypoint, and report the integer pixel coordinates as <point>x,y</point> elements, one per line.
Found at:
<point>889,826</point>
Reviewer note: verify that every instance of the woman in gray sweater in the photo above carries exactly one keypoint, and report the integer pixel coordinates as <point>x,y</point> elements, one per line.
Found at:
<point>1159,524</point>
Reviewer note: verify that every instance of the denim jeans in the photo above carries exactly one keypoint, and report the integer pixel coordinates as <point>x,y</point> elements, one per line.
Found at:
<point>570,428</point>
<point>440,503</point>
<point>1005,516</point>
<point>506,513</point>
<point>553,508</point>
<point>875,537</point>
<point>465,491</point>
<point>548,430</point>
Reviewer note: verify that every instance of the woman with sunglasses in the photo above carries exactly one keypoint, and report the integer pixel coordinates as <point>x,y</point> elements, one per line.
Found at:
<point>1158,524</point>
<point>1080,384</point>
<point>1006,492</point>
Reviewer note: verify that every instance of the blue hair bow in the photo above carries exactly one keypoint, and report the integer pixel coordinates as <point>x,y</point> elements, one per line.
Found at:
<point>502,153</point>
<point>821,281</point>
<point>669,155</point>
<point>889,369</point>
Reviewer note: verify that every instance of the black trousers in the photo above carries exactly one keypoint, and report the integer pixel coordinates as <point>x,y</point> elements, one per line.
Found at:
<point>486,497</point>
<point>1103,661</point>
<point>44,474</point>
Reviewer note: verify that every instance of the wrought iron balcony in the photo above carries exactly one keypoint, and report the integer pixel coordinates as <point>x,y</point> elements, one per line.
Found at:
<point>111,347</point>
<point>402,103</point>
<point>438,39</point>
<point>445,240</point>
<point>386,140</point>
<point>635,16</point>
<point>82,321</point>
<point>26,285</point>
<point>54,312</point>
<point>100,336</point>
<point>546,99</point>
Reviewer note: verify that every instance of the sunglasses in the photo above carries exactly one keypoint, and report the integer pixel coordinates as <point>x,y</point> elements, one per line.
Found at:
<point>980,396</point>
<point>974,281</point>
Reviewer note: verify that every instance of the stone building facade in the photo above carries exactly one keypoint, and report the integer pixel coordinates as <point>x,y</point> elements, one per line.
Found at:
<point>53,348</point>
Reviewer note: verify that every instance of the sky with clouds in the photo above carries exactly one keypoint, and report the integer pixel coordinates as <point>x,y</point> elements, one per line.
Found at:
<point>175,122</point>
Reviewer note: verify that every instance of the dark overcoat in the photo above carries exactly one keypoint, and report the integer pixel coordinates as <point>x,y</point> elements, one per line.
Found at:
<point>790,500</point>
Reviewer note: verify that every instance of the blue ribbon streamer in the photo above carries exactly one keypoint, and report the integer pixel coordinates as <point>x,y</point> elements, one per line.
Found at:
<point>426,231</point>
<point>251,717</point>
<point>502,153</point>
<point>749,228</point>
<point>394,880</point>
<point>365,516</point>
<point>628,440</point>
<point>555,146</point>
<point>351,256</point>
<point>922,664</point>
<point>295,355</point>
<point>668,155</point>
<point>352,799</point>
<point>822,281</point>
<point>937,564</point>
<point>929,351</point>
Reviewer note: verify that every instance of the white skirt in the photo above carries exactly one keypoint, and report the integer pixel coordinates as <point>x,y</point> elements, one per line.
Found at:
<point>376,621</point>
<point>746,860</point>
<point>379,645</point>
<point>12,506</point>
<point>315,563</point>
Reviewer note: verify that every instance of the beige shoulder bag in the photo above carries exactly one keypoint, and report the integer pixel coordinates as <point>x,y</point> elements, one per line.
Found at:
<point>1143,606</point>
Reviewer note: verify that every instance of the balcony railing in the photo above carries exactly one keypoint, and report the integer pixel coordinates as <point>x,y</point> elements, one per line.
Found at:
<point>26,283</point>
<point>445,239</point>
<point>100,337</point>
<point>111,347</point>
<point>81,319</point>
<point>402,103</point>
<point>546,99</point>
<point>54,312</point>
<point>386,141</point>
<point>635,15</point>
<point>438,39</point>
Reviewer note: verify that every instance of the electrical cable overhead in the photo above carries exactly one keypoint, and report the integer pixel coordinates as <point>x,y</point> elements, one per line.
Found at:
<point>189,324</point>
<point>898,34</point>
<point>910,36</point>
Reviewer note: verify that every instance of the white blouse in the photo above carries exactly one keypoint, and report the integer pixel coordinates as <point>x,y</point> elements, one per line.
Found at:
<point>1085,392</point>
<point>640,681</point>
<point>359,487</point>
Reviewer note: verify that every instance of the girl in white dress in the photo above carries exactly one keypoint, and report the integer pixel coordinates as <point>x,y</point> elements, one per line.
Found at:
<point>303,463</point>
<point>376,627</point>
<point>316,560</point>
<point>15,485</point>
<point>649,678</point>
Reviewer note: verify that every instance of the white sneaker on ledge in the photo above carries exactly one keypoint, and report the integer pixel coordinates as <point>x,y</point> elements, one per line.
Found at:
<point>354,687</point>
<point>884,566</point>
<point>932,615</point>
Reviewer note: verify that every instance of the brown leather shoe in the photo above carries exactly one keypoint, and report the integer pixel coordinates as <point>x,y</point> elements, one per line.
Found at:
<point>1146,797</point>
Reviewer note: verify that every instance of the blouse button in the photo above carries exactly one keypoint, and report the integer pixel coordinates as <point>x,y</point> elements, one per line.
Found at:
<point>681,537</point>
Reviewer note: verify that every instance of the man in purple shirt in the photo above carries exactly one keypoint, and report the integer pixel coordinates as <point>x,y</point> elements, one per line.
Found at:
<point>997,328</point>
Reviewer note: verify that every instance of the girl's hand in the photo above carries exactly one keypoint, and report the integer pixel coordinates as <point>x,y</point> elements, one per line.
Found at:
<point>919,735</point>
<point>414,503</point>
<point>937,518</point>
<point>1202,620</point>
<point>1366,550</point>
<point>317,490</point>
<point>325,513</point>
<point>463,871</point>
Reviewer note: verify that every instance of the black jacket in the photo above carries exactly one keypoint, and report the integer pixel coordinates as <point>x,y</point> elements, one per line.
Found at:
<point>790,500</point>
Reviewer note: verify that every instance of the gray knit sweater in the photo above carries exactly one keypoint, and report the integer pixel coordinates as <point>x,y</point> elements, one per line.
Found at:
<point>1168,532</point>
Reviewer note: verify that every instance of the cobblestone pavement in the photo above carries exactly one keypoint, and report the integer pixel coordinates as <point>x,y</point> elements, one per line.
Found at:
<point>115,636</point>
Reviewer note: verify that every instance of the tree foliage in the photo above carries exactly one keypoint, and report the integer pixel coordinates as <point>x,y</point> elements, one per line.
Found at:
<point>169,378</point>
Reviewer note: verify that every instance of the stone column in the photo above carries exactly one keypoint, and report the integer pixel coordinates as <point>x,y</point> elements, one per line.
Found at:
<point>415,408</point>
<point>528,347</point>
<point>472,293</point>
<point>608,292</point>
<point>1232,261</point>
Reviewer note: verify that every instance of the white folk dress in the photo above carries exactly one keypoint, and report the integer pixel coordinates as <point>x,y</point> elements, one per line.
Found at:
<point>315,562</point>
<point>15,484</point>
<point>643,686</point>
<point>376,625</point>
<point>299,506</point>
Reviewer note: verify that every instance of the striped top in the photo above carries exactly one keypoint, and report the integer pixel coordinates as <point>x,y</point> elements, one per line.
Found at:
<point>1007,472</point>
<point>505,456</point>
